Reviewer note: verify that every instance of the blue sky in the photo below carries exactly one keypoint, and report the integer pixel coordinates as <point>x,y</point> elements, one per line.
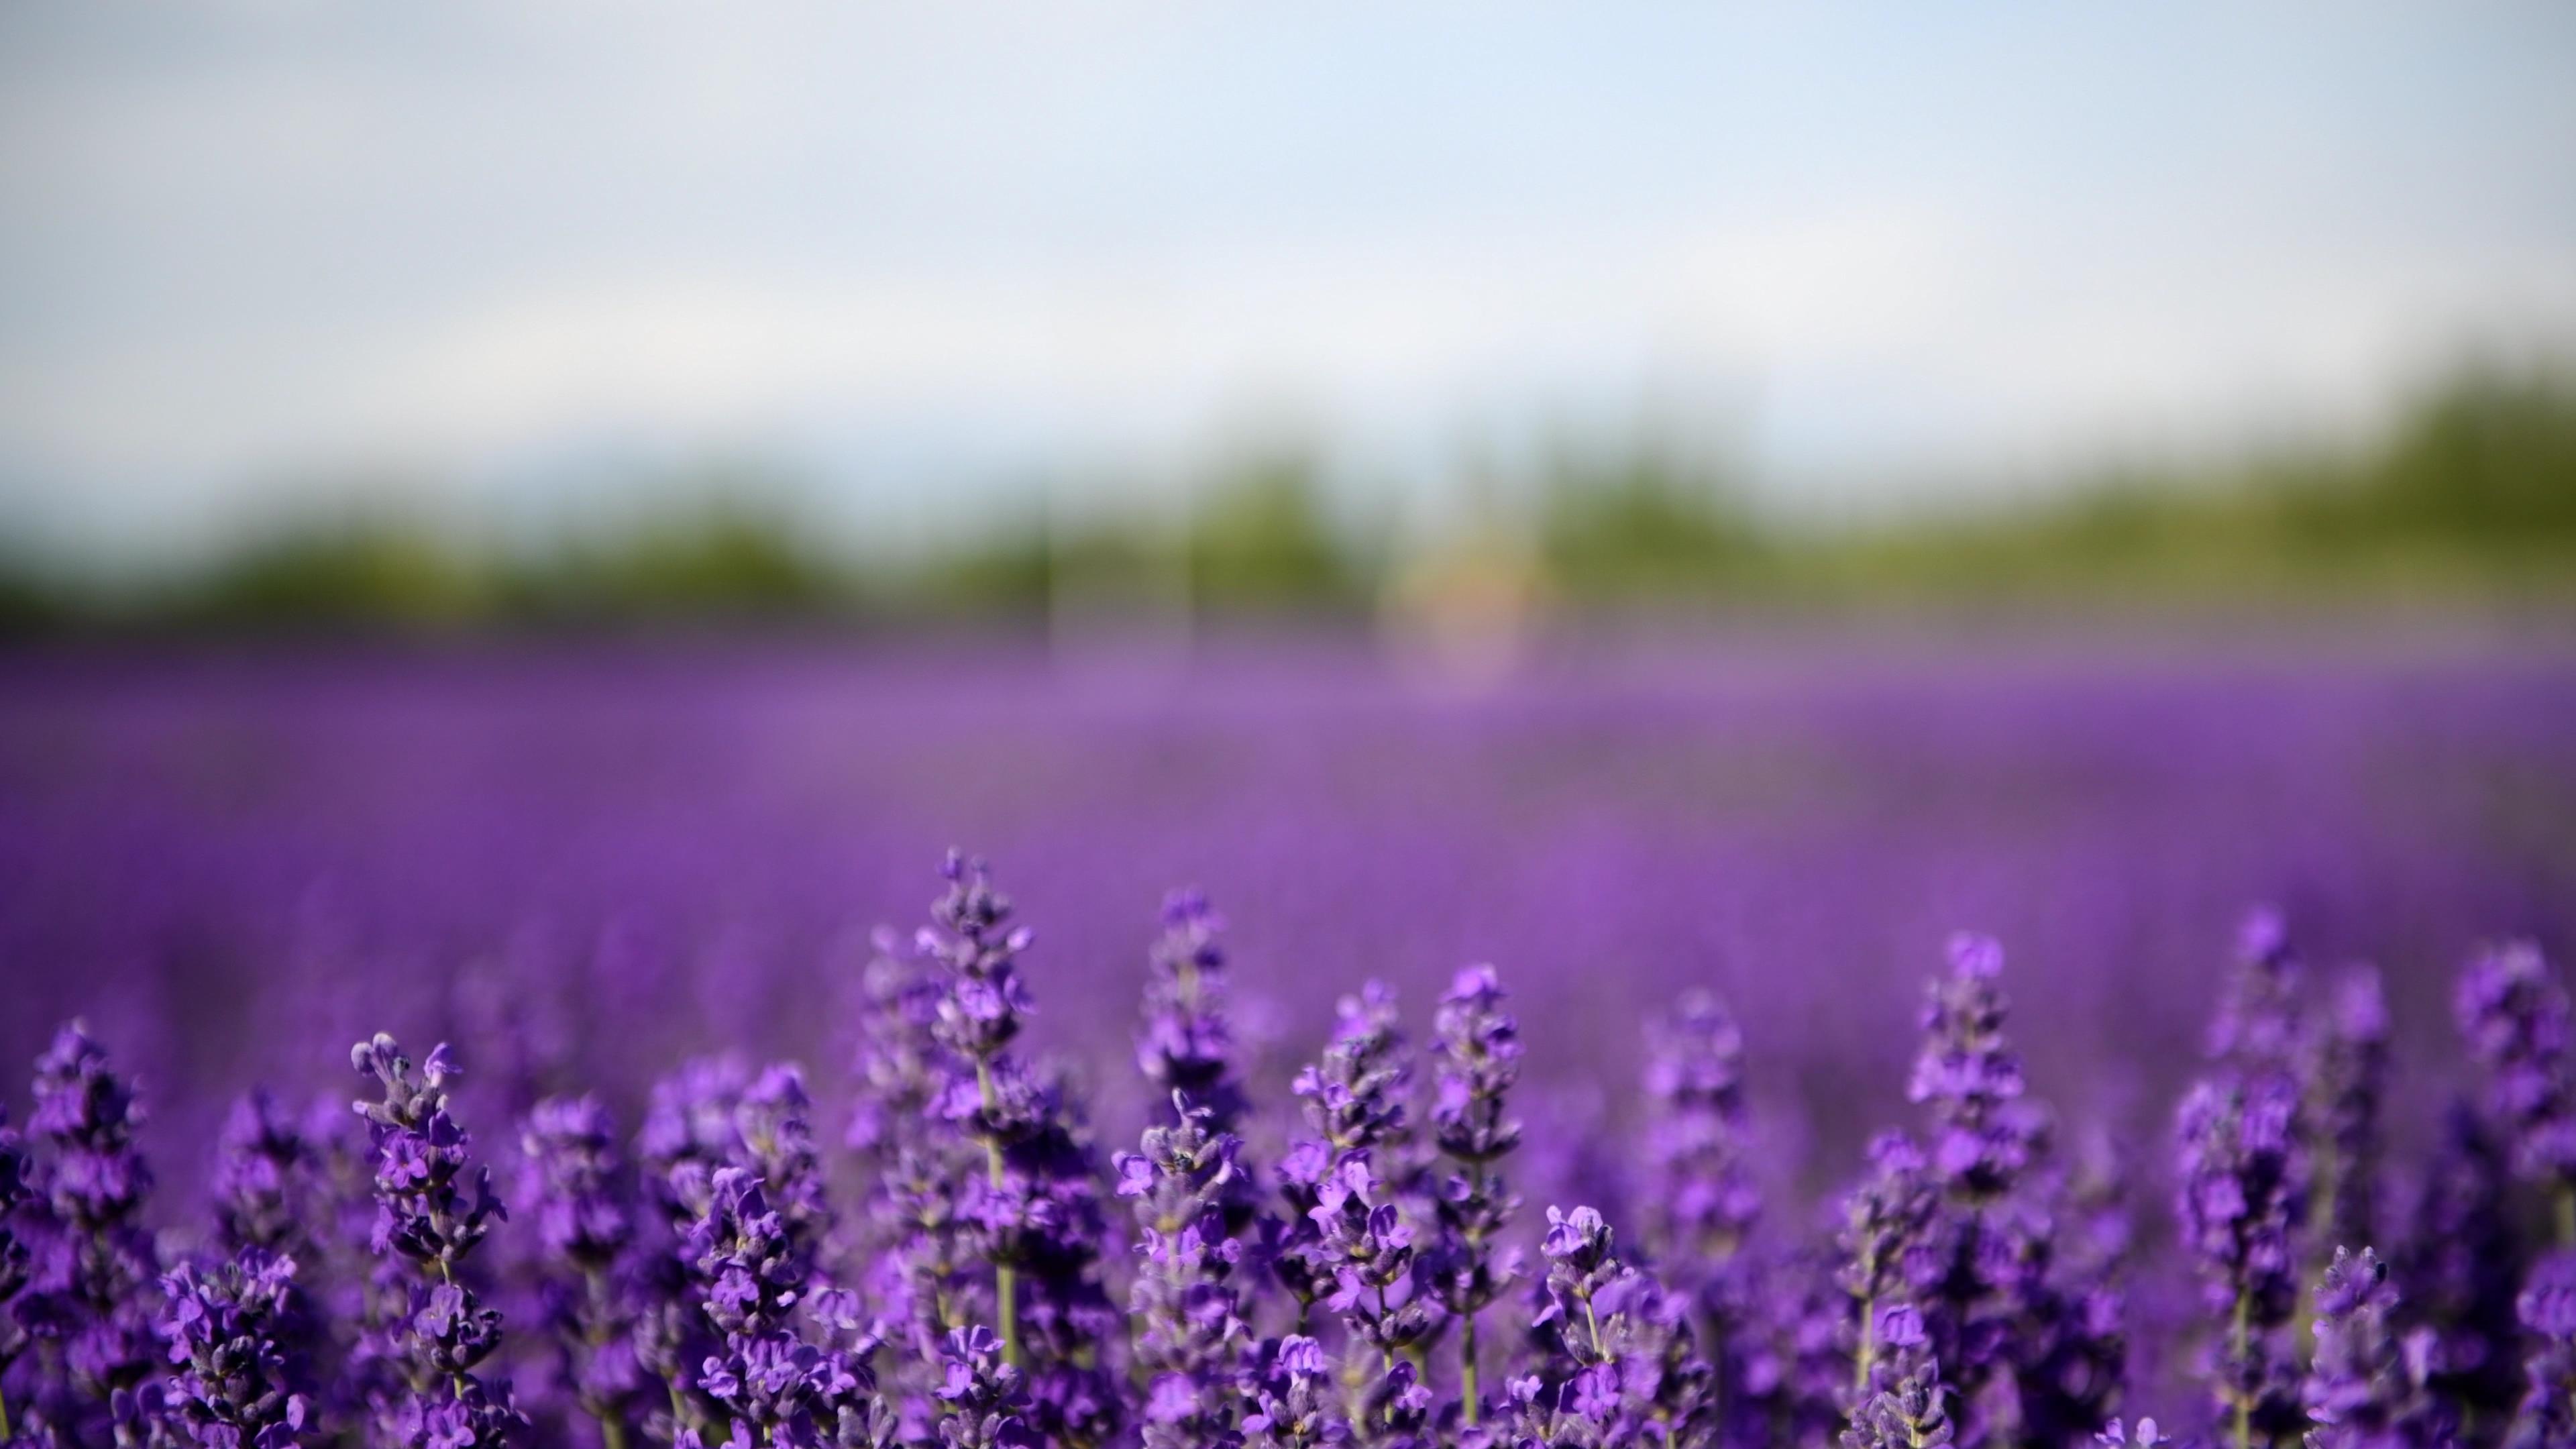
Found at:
<point>502,259</point>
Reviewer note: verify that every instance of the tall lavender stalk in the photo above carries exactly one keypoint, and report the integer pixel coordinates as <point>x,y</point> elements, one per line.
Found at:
<point>426,1226</point>
<point>2463,1267</point>
<point>2350,1087</point>
<point>1480,1059</point>
<point>94,1274</point>
<point>1185,1043</point>
<point>1036,1217</point>
<point>1187,1311</point>
<point>1353,1100</point>
<point>792,1368</point>
<point>1887,1258</point>
<point>689,1132</point>
<point>914,1227</point>
<point>978,1018</point>
<point>2515,1016</point>
<point>1982,1305</point>
<point>1701,1204</point>
<point>583,1199</point>
<point>2241,1194</point>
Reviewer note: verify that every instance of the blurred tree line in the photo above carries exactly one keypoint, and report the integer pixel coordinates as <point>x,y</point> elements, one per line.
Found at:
<point>2469,499</point>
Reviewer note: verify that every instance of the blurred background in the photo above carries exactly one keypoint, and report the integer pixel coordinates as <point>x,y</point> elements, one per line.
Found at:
<point>1437,326</point>
<point>538,523</point>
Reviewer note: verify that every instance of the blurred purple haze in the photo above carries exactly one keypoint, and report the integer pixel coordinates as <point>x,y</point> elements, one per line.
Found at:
<point>585,863</point>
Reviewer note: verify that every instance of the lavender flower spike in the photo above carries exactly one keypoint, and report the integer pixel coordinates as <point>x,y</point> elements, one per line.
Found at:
<point>2351,1083</point>
<point>2546,1418</point>
<point>1909,1408</point>
<point>586,1218</point>
<point>94,1272</point>
<point>2515,1016</point>
<point>1884,1221</point>
<point>986,1403</point>
<point>1698,1142</point>
<point>14,1192</point>
<point>234,1381</point>
<point>1188,1313</point>
<point>1185,1043</point>
<point>1354,1104</point>
<point>2240,1196</point>
<point>1480,1059</point>
<point>1627,1366</point>
<point>426,1224</point>
<point>978,1018</point>
<point>2358,1393</point>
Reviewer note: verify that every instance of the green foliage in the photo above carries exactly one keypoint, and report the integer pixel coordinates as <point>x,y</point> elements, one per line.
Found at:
<point>2470,498</point>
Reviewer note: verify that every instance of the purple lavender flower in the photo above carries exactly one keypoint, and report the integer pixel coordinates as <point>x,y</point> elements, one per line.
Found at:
<point>2546,1417</point>
<point>777,1144</point>
<point>1185,1043</point>
<point>689,1131</point>
<point>1367,1250</point>
<point>1886,1253</point>
<point>2463,1267</point>
<point>2025,1348</point>
<point>1188,1314</point>
<point>594,1292</point>
<point>2241,1194</point>
<point>2350,1079</point>
<point>1036,1217</point>
<point>1968,1074</point>
<point>1702,1204</point>
<point>978,1015</point>
<point>1480,1059</point>
<point>2261,1026</point>
<point>424,1218</point>
<point>986,1404</point>
<point>2360,1392</point>
<point>93,1274</point>
<point>1908,1406</point>
<point>1354,1095</point>
<point>1353,1099</point>
<point>234,1381</point>
<point>777,1385</point>
<point>902,1072</point>
<point>910,1230</point>
<point>264,1187</point>
<point>1394,1410</point>
<point>2514,1014</point>
<point>1289,1388</point>
<point>1620,1352</point>
<point>14,1194</point>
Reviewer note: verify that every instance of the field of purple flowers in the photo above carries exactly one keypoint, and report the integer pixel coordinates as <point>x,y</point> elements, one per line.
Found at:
<point>1093,1164</point>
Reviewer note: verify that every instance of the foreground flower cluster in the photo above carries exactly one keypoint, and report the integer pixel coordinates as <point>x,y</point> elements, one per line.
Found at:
<point>1353,1267</point>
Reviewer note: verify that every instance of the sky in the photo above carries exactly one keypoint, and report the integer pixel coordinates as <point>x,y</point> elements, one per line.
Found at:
<point>519,260</point>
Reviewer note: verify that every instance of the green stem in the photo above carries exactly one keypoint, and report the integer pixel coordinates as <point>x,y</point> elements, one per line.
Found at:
<point>1467,1369</point>
<point>2567,1214</point>
<point>1593,1321</point>
<point>4,1415</point>
<point>612,1434</point>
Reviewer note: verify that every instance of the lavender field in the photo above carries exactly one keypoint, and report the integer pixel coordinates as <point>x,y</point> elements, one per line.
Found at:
<point>1630,1187</point>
